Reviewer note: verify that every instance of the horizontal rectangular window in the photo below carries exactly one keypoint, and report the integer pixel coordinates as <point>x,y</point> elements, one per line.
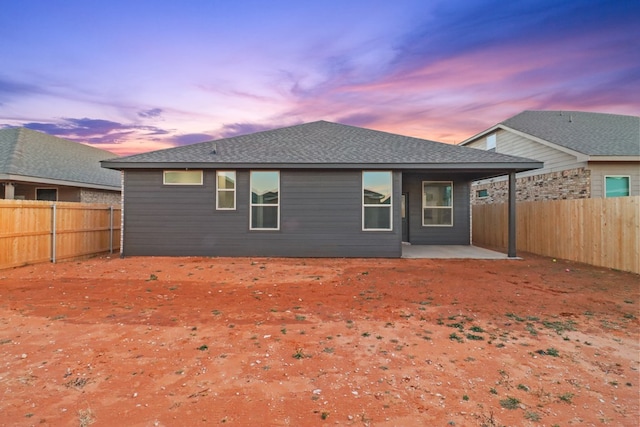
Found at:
<point>616,186</point>
<point>265,200</point>
<point>482,193</point>
<point>225,190</point>
<point>377,207</point>
<point>182,177</point>
<point>437,203</point>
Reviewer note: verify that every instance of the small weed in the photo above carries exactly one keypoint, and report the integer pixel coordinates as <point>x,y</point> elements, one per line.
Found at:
<point>465,397</point>
<point>300,318</point>
<point>532,416</point>
<point>474,337</point>
<point>216,312</point>
<point>328,350</point>
<point>477,329</point>
<point>379,337</point>
<point>523,387</point>
<point>152,277</point>
<point>515,317</point>
<point>455,337</point>
<point>203,347</point>
<point>366,334</point>
<point>566,397</point>
<point>548,352</point>
<point>628,316</point>
<point>456,325</point>
<point>384,368</point>
<point>86,417</point>
<point>299,354</point>
<point>559,326</point>
<point>510,403</point>
<point>350,324</point>
<point>324,415</point>
<point>493,391</point>
<point>284,331</point>
<point>531,329</point>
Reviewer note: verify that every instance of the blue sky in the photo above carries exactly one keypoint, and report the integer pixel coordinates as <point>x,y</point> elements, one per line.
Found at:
<point>134,76</point>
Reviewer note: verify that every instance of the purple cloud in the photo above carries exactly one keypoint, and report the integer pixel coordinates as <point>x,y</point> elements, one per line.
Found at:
<point>150,114</point>
<point>236,129</point>
<point>94,131</point>
<point>190,138</point>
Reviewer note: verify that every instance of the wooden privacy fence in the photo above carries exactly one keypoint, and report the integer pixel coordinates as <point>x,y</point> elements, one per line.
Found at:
<point>602,232</point>
<point>36,231</point>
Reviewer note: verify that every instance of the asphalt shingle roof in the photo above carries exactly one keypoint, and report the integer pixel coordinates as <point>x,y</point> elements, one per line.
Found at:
<point>316,143</point>
<point>29,153</point>
<point>594,134</point>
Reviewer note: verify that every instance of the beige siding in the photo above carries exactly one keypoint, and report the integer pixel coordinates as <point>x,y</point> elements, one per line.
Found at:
<point>554,160</point>
<point>601,169</point>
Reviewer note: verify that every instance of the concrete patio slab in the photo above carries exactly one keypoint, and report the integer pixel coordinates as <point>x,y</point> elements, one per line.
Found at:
<point>450,251</point>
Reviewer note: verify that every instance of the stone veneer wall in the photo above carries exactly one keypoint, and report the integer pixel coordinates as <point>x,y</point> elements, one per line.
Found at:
<point>100,196</point>
<point>566,184</point>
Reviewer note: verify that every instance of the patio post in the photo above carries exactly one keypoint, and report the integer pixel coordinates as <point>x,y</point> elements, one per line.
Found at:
<point>511,250</point>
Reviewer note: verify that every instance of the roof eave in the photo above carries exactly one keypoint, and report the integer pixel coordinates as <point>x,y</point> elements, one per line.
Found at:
<point>614,158</point>
<point>499,166</point>
<point>48,181</point>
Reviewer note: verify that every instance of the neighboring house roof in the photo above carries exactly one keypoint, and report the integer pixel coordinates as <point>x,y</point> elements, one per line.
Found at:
<point>592,134</point>
<point>324,144</point>
<point>28,155</point>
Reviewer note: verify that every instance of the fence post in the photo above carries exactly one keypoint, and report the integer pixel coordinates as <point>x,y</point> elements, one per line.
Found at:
<point>111,229</point>
<point>53,233</point>
<point>511,246</point>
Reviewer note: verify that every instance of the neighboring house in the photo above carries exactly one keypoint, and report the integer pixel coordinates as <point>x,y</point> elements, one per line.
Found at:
<point>313,190</point>
<point>585,155</point>
<point>37,166</point>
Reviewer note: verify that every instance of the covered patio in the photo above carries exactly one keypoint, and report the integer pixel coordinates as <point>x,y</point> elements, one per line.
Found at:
<point>451,252</point>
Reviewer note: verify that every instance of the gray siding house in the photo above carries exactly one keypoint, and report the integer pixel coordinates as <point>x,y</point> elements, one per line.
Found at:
<point>585,155</point>
<point>37,166</point>
<point>319,189</point>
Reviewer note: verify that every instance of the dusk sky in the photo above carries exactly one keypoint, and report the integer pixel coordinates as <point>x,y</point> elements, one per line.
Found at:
<point>135,76</point>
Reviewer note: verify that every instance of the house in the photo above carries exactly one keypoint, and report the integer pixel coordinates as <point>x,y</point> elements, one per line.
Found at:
<point>585,155</point>
<point>37,166</point>
<point>319,189</point>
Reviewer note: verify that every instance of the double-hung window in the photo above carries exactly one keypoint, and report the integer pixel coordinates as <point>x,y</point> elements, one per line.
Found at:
<point>616,186</point>
<point>265,200</point>
<point>437,203</point>
<point>225,190</point>
<point>377,204</point>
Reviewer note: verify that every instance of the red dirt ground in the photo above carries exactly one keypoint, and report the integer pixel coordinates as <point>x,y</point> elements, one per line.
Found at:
<point>297,342</point>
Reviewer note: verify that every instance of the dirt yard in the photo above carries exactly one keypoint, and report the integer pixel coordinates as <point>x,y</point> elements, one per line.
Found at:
<point>312,342</point>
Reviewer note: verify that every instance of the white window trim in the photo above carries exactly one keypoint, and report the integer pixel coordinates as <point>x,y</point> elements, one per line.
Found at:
<point>227,190</point>
<point>424,206</point>
<point>164,180</point>
<point>604,184</point>
<point>389,206</point>
<point>251,204</point>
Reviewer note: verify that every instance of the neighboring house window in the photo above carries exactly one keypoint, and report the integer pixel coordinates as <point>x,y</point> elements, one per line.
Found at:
<point>48,194</point>
<point>265,200</point>
<point>225,190</point>
<point>491,142</point>
<point>377,189</point>
<point>482,193</point>
<point>437,203</point>
<point>616,186</point>
<point>182,178</point>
